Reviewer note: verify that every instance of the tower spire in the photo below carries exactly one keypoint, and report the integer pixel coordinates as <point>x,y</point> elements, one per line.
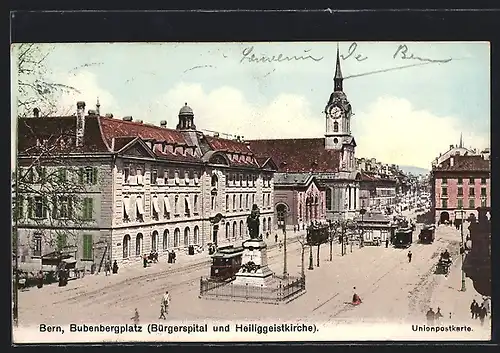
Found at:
<point>338,79</point>
<point>461,145</point>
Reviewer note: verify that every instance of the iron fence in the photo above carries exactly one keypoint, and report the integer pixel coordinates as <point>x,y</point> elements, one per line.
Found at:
<point>282,289</point>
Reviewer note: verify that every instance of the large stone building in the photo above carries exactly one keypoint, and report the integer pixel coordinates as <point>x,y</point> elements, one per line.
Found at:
<point>143,187</point>
<point>330,160</point>
<point>461,182</point>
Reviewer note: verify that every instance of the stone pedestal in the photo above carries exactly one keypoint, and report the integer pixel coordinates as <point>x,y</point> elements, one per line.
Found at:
<point>254,251</point>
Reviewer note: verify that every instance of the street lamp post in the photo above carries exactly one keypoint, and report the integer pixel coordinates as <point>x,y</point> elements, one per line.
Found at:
<point>330,229</point>
<point>362,212</point>
<point>462,246</point>
<point>284,247</point>
<point>310,257</point>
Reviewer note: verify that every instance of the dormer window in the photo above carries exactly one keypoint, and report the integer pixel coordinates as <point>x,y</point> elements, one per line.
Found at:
<point>139,176</point>
<point>176,177</point>
<point>126,175</point>
<point>196,178</point>
<point>186,177</point>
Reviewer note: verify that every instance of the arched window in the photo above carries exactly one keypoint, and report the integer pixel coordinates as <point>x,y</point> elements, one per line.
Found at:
<point>126,246</point>
<point>241,201</point>
<point>186,236</point>
<point>177,237</point>
<point>154,241</point>
<point>246,201</point>
<point>234,202</point>
<point>227,202</point>
<point>228,230</point>
<point>176,204</point>
<point>138,244</point>
<point>196,235</point>
<point>269,224</point>
<point>241,229</point>
<point>234,230</point>
<point>165,239</point>
<point>264,225</point>
<point>215,181</point>
<point>335,127</point>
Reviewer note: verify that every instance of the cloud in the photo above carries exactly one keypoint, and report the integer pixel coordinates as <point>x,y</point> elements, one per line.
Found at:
<point>392,131</point>
<point>88,90</point>
<point>227,110</point>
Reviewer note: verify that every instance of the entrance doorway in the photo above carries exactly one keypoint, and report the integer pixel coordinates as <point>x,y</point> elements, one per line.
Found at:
<point>214,234</point>
<point>445,217</point>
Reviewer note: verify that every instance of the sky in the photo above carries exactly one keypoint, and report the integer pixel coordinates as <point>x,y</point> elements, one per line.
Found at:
<point>405,116</point>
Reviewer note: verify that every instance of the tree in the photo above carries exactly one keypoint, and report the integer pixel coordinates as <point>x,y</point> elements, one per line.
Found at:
<point>35,88</point>
<point>303,245</point>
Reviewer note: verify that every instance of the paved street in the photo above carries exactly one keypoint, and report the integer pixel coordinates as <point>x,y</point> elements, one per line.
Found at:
<point>391,288</point>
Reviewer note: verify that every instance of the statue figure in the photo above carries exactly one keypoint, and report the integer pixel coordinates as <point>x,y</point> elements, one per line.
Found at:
<point>253,223</point>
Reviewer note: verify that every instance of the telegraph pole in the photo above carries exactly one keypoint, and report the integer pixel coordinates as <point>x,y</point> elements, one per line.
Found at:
<point>284,248</point>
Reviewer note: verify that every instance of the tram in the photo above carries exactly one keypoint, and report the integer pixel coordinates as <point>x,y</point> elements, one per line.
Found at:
<point>226,262</point>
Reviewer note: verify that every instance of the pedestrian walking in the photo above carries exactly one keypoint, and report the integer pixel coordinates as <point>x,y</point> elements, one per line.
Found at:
<point>438,316</point>
<point>267,235</point>
<point>162,312</point>
<point>39,277</point>
<point>487,305</point>
<point>482,313</point>
<point>107,267</point>
<point>409,256</point>
<point>135,318</point>
<point>165,302</point>
<point>115,267</point>
<point>430,317</point>
<point>473,309</point>
<point>387,242</point>
<point>476,310</point>
<point>145,260</point>
<point>276,238</point>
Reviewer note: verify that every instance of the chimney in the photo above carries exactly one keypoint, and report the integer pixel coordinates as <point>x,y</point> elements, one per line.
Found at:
<point>92,112</point>
<point>36,112</point>
<point>451,147</point>
<point>127,118</point>
<point>139,121</point>
<point>80,123</point>
<point>216,134</point>
<point>109,115</point>
<point>451,161</point>
<point>163,123</point>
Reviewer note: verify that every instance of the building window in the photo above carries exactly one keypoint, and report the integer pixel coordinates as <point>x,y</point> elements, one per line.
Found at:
<point>165,176</point>
<point>87,246</point>
<point>268,200</point>
<point>155,208</point>
<point>177,237</point>
<point>472,203</point>
<point>20,206</point>
<point>40,207</point>
<point>215,181</point>
<point>483,191</point>
<point>61,241</point>
<point>472,191</point>
<point>88,206</point>
<point>37,245</point>
<point>186,236</point>
<point>138,244</point>
<point>186,177</point>
<point>241,179</point>
<point>186,206</point>
<point>234,202</point>
<point>444,191</point>
<point>246,201</point>
<point>41,172</point>
<point>471,181</point>
<point>176,177</point>
<point>196,236</point>
<point>176,205</point>
<point>126,246</point>
<point>460,191</point>
<point>335,127</point>
<point>241,201</point>
<point>62,207</point>
<point>165,239</point>
<point>195,204</point>
<point>483,202</point>
<point>329,198</point>
<point>460,203</point>
<point>444,203</point>
<point>88,176</point>
<point>483,181</point>
<point>154,176</point>
<point>253,180</point>
<point>227,202</point>
<point>444,181</point>
<point>126,175</point>
<point>460,181</point>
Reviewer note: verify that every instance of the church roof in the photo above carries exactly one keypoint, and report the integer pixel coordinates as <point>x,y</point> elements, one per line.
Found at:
<point>298,155</point>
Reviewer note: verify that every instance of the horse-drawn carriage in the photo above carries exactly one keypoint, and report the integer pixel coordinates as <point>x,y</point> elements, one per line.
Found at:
<point>426,235</point>
<point>226,262</point>
<point>444,264</point>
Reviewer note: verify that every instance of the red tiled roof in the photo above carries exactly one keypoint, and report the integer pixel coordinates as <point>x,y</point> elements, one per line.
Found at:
<point>52,128</point>
<point>119,128</point>
<point>298,155</point>
<point>225,145</point>
<point>464,163</point>
<point>174,156</point>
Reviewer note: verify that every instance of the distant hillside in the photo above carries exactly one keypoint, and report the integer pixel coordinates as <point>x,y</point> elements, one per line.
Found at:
<point>413,170</point>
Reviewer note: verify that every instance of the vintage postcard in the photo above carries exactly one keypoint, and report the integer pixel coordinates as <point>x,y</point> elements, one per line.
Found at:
<point>207,192</point>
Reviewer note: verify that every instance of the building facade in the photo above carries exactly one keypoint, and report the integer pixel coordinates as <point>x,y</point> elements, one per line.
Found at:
<point>143,187</point>
<point>331,160</point>
<point>461,182</point>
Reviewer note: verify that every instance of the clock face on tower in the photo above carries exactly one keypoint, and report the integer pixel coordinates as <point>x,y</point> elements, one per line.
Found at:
<point>334,112</point>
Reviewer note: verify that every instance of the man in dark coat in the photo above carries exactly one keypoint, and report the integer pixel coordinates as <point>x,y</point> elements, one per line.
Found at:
<point>409,256</point>
<point>387,242</point>
<point>482,313</point>
<point>473,309</point>
<point>430,317</point>
<point>115,267</point>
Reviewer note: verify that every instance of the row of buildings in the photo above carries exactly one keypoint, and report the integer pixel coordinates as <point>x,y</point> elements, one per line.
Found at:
<point>115,188</point>
<point>461,183</point>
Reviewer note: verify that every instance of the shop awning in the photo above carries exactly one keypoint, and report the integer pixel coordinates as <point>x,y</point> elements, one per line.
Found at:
<point>156,207</point>
<point>140,207</point>
<point>167,204</point>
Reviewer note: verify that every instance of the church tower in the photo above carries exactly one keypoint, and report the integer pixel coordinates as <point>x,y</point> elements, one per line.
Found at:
<point>338,122</point>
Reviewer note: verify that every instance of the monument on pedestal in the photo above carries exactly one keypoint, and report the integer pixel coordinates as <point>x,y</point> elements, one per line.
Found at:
<point>254,270</point>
